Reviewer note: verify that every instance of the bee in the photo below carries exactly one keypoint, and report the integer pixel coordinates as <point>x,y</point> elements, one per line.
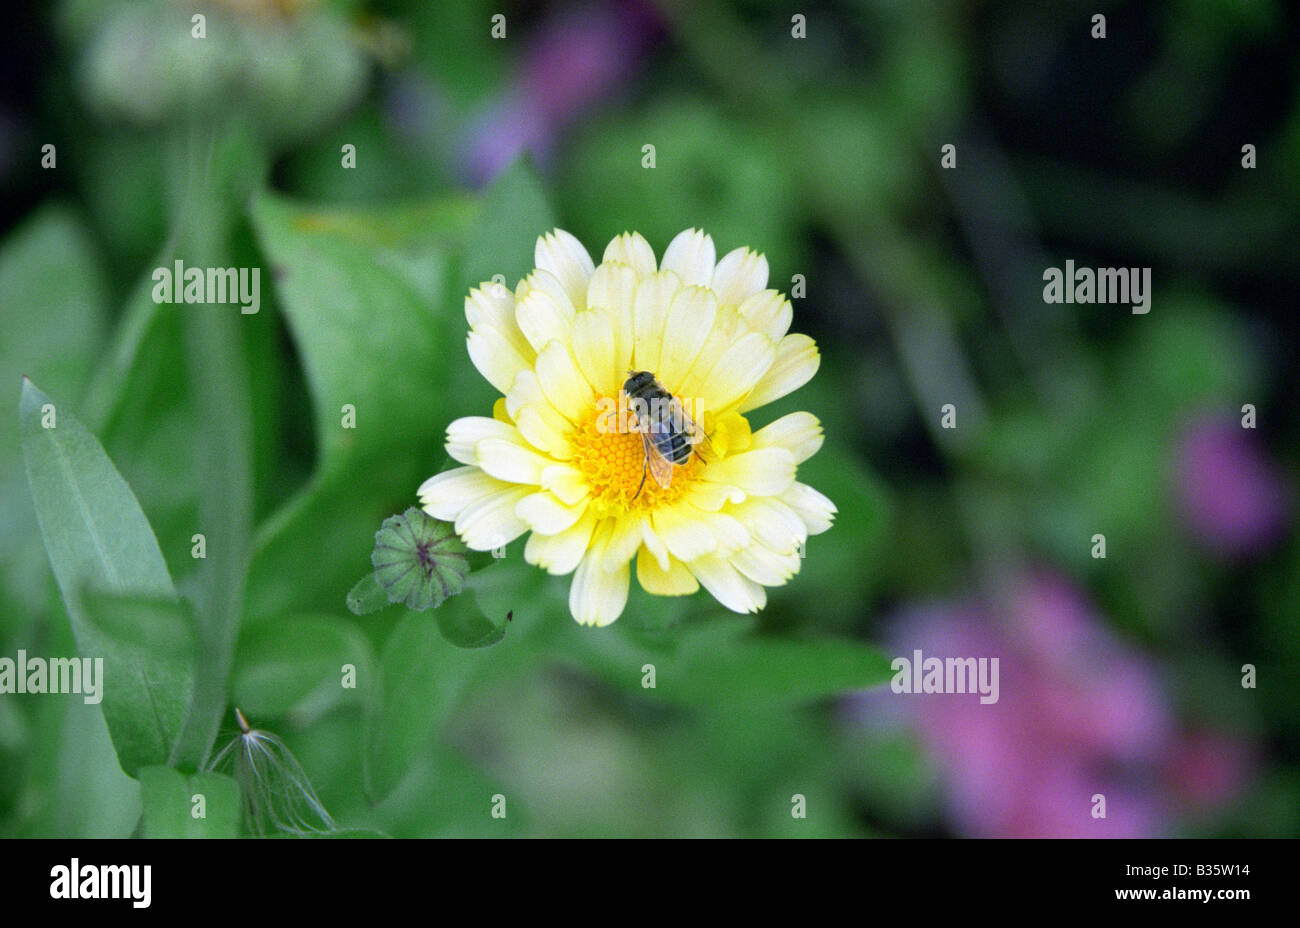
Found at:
<point>668,435</point>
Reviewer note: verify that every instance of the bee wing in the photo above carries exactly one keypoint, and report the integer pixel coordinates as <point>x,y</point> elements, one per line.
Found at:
<point>698,437</point>
<point>694,433</point>
<point>660,467</point>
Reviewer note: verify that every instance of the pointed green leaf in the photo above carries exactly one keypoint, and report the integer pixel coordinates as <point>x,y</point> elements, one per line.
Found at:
<point>469,628</point>
<point>98,540</point>
<point>367,596</point>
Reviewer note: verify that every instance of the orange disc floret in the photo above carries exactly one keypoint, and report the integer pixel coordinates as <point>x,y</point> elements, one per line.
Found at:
<point>612,459</point>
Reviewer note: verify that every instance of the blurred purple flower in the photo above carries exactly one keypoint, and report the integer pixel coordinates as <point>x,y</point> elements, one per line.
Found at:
<point>580,57</point>
<point>1231,496</point>
<point>1078,714</point>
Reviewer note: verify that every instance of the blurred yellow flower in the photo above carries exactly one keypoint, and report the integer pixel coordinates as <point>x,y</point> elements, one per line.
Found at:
<point>733,517</point>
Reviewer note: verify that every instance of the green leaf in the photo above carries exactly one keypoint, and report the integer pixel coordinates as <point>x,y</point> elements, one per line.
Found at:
<point>140,405</point>
<point>294,669</point>
<point>160,627</point>
<point>503,241</point>
<point>721,661</point>
<point>173,802</point>
<point>759,669</point>
<point>225,515</point>
<point>71,784</point>
<point>366,329</point>
<point>367,596</point>
<point>422,677</point>
<point>842,566</point>
<point>53,315</point>
<point>148,643</point>
<point>55,300</point>
<point>469,628</point>
<point>98,539</point>
<point>375,302</point>
<point>371,299</point>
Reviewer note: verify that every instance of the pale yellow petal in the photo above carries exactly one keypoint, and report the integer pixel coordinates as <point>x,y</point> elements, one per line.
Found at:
<point>563,384</point>
<point>547,514</point>
<point>711,497</point>
<point>593,349</point>
<point>511,460</point>
<point>768,312</point>
<point>683,531</point>
<point>691,256</point>
<point>737,371</point>
<point>759,471</point>
<point>445,495</point>
<point>728,431</point>
<point>654,294</point>
<point>621,544</point>
<point>772,523</point>
<point>566,482</point>
<point>799,432</point>
<point>537,421</point>
<point>492,306</point>
<point>466,432</point>
<point>728,585</point>
<point>563,255</point>
<point>547,282</point>
<point>814,508</point>
<point>633,250</point>
<point>731,534</point>
<point>739,275</point>
<point>559,554</point>
<point>653,544</point>
<point>495,358</point>
<point>764,566</point>
<point>728,327</point>
<point>545,429</point>
<point>490,521</point>
<point>796,362</point>
<point>613,290</point>
<point>543,319</point>
<point>597,597</point>
<point>690,317</point>
<point>672,580</point>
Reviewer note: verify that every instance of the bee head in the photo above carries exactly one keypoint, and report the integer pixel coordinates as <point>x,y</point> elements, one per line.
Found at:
<point>637,380</point>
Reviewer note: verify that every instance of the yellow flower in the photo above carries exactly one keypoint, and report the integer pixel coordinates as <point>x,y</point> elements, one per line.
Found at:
<point>733,518</point>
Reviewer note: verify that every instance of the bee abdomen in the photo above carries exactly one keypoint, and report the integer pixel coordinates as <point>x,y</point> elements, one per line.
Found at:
<point>675,446</point>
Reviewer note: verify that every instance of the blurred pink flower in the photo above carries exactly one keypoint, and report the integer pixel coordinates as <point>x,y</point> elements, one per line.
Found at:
<point>1078,714</point>
<point>580,56</point>
<point>1231,496</point>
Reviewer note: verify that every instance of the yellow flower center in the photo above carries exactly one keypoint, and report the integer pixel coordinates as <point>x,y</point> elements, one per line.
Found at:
<point>613,461</point>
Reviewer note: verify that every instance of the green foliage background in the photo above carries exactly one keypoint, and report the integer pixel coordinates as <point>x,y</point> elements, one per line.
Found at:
<point>823,154</point>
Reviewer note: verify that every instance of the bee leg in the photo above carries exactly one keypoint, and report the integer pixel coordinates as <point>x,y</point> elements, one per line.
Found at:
<point>640,486</point>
